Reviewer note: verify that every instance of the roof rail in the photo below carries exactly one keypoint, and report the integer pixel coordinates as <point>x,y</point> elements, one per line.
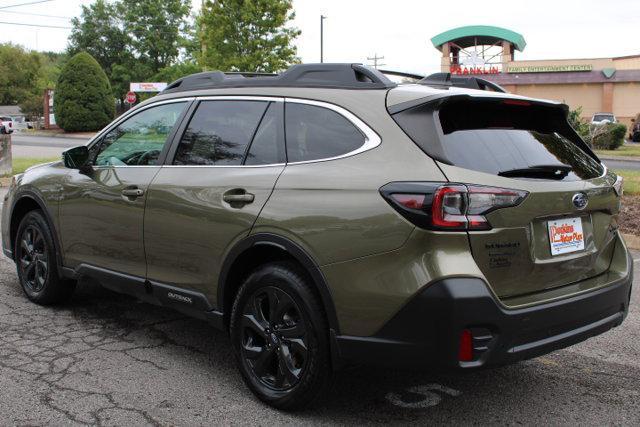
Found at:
<point>339,76</point>
<point>469,82</point>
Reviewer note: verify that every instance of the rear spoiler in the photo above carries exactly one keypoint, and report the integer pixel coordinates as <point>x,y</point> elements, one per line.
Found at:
<point>443,97</point>
<point>469,82</point>
<point>447,80</point>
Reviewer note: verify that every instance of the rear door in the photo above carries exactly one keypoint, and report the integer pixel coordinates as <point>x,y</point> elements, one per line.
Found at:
<point>564,230</point>
<point>219,175</point>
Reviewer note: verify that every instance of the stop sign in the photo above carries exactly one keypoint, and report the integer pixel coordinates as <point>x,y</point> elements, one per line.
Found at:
<point>131,97</point>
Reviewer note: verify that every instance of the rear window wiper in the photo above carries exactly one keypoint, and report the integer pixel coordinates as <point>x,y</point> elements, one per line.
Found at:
<point>543,171</point>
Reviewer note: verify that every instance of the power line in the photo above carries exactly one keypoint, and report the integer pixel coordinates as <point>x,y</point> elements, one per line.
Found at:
<point>36,25</point>
<point>24,4</point>
<point>36,14</point>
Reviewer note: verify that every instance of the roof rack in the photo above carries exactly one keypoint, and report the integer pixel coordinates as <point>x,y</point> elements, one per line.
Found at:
<point>402,74</point>
<point>469,82</point>
<point>339,76</point>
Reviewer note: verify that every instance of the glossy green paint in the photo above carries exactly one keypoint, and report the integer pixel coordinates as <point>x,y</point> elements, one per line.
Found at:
<point>515,255</point>
<point>189,227</point>
<point>374,261</point>
<point>98,224</point>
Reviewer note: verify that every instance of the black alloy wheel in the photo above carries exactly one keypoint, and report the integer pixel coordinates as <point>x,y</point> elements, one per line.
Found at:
<point>37,261</point>
<point>33,259</point>
<point>274,338</point>
<point>280,336</point>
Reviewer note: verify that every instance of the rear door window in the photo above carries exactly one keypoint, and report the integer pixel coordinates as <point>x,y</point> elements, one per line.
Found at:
<point>314,132</point>
<point>517,140</point>
<point>219,133</point>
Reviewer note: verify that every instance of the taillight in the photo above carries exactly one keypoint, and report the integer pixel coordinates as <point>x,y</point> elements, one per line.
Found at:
<point>449,206</point>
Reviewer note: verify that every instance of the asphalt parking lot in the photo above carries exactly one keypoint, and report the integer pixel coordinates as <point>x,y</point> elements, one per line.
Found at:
<point>107,359</point>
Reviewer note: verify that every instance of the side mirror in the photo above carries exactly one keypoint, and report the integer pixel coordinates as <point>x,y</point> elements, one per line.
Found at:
<point>76,157</point>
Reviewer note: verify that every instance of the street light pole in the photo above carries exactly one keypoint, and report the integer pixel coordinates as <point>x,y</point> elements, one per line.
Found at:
<point>322,18</point>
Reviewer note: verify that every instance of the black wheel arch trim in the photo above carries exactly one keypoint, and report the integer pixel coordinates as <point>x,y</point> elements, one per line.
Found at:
<point>293,249</point>
<point>29,194</point>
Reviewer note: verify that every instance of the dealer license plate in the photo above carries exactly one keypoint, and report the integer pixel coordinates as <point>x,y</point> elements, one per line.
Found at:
<point>565,235</point>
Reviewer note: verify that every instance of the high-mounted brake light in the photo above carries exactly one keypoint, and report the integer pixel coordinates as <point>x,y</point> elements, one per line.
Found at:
<point>449,206</point>
<point>516,102</point>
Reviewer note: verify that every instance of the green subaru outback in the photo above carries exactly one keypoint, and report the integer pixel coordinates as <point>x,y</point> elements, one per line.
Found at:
<point>328,216</point>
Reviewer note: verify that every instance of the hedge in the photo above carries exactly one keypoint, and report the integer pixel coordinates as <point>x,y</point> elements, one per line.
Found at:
<point>83,99</point>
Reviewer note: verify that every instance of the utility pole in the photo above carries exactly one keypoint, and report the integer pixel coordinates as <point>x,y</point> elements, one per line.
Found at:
<point>322,18</point>
<point>203,38</point>
<point>375,60</point>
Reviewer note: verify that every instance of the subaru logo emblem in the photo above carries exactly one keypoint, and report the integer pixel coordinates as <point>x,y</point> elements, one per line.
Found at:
<point>580,200</point>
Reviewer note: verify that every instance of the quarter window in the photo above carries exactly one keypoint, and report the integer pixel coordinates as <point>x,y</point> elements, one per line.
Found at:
<point>318,133</point>
<point>268,144</point>
<point>219,133</point>
<point>139,140</point>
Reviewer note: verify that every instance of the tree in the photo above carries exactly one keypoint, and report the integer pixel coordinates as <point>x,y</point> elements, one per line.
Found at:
<point>19,73</point>
<point>99,32</point>
<point>83,99</point>
<point>156,29</point>
<point>132,39</point>
<point>244,35</point>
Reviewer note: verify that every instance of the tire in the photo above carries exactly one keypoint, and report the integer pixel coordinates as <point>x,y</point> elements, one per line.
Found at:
<point>36,262</point>
<point>279,336</point>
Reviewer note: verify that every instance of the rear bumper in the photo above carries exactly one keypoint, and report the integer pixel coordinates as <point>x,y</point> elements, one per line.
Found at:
<point>427,330</point>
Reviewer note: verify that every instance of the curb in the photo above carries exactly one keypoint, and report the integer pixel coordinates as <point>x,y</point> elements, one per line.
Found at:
<point>632,241</point>
<point>55,135</point>
<point>623,158</point>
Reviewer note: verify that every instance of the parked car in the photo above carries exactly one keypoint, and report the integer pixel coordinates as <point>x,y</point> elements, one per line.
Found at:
<point>6,125</point>
<point>603,118</point>
<point>634,129</point>
<point>328,216</point>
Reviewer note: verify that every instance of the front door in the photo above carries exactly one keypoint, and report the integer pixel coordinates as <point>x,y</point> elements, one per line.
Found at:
<point>102,211</point>
<point>222,173</point>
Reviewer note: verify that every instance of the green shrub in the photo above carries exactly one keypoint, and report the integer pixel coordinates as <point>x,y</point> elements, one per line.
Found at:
<point>83,99</point>
<point>609,136</point>
<point>578,123</point>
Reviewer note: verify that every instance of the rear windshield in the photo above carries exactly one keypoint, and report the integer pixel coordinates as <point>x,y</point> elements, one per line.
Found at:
<point>512,140</point>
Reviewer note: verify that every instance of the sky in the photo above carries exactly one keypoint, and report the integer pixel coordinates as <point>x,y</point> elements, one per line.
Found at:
<point>399,30</point>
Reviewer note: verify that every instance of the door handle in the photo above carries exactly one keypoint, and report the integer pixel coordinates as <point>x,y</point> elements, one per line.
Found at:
<point>238,198</point>
<point>132,192</point>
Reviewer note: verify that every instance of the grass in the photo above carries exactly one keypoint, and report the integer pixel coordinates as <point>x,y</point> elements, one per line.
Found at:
<point>624,151</point>
<point>631,181</point>
<point>20,164</point>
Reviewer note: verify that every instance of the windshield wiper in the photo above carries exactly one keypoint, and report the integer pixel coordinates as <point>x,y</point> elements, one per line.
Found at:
<point>543,171</point>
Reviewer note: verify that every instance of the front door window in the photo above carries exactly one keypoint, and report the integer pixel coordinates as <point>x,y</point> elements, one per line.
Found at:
<point>139,140</point>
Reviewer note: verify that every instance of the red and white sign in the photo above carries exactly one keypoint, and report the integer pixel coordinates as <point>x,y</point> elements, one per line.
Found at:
<point>131,97</point>
<point>147,87</point>
<point>566,235</point>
